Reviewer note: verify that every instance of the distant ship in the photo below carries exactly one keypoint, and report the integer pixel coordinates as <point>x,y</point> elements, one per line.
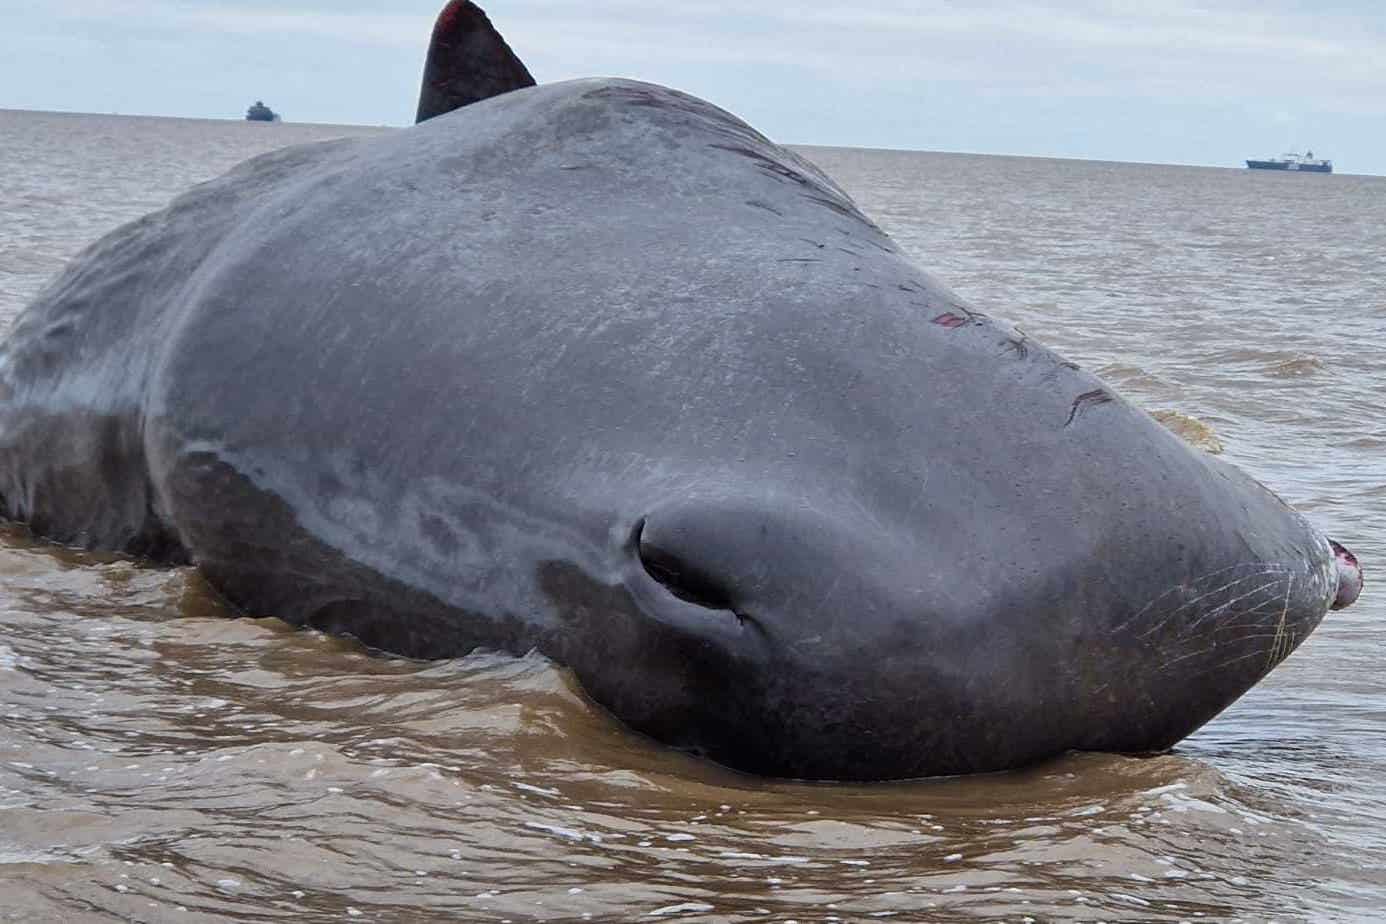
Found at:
<point>1304,163</point>
<point>261,113</point>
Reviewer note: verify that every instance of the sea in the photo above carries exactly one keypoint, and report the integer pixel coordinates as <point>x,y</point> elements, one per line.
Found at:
<point>162,761</point>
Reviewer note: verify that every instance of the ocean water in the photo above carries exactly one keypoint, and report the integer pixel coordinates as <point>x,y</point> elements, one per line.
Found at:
<point>162,762</point>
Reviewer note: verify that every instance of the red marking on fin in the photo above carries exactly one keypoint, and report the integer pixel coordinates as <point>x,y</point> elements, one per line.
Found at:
<point>468,61</point>
<point>949,320</point>
<point>448,18</point>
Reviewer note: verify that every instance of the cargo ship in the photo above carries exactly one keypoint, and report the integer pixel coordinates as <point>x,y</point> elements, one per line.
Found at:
<point>261,113</point>
<point>1304,163</point>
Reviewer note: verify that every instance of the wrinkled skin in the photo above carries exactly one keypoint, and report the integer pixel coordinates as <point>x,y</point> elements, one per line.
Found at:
<point>595,368</point>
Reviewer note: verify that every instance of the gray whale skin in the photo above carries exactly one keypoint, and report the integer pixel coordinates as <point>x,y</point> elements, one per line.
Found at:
<point>595,369</point>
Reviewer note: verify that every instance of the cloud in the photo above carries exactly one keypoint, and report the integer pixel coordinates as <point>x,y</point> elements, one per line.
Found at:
<point>1166,50</point>
<point>1173,51</point>
<point>399,30</point>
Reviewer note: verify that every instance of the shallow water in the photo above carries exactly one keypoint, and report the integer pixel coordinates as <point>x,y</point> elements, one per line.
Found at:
<point>159,761</point>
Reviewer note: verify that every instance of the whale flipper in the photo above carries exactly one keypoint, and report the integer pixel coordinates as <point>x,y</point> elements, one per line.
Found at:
<point>468,61</point>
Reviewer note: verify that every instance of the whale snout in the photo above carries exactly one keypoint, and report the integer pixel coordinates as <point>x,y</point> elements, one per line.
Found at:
<point>1349,577</point>
<point>833,627</point>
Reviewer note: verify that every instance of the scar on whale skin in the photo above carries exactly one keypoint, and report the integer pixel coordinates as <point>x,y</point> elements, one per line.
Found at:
<point>1087,400</point>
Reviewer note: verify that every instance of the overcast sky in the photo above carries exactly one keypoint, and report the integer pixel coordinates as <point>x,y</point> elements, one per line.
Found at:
<point>1172,81</point>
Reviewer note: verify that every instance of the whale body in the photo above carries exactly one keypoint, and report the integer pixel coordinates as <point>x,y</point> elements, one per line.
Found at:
<point>594,368</point>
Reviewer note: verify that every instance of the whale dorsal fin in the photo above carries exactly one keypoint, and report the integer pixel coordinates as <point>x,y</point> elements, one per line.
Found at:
<point>468,61</point>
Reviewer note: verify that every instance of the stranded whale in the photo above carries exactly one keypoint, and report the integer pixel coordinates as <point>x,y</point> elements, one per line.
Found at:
<point>595,368</point>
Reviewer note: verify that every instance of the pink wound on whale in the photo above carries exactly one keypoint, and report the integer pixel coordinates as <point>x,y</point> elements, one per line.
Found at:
<point>1350,578</point>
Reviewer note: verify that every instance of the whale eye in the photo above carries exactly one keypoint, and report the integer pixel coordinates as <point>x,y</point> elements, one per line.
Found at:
<point>681,578</point>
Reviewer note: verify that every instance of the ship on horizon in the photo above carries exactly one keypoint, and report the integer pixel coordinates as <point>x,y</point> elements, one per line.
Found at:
<point>1303,163</point>
<point>261,113</point>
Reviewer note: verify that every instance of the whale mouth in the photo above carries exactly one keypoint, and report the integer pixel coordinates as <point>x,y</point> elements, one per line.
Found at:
<point>1350,578</point>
